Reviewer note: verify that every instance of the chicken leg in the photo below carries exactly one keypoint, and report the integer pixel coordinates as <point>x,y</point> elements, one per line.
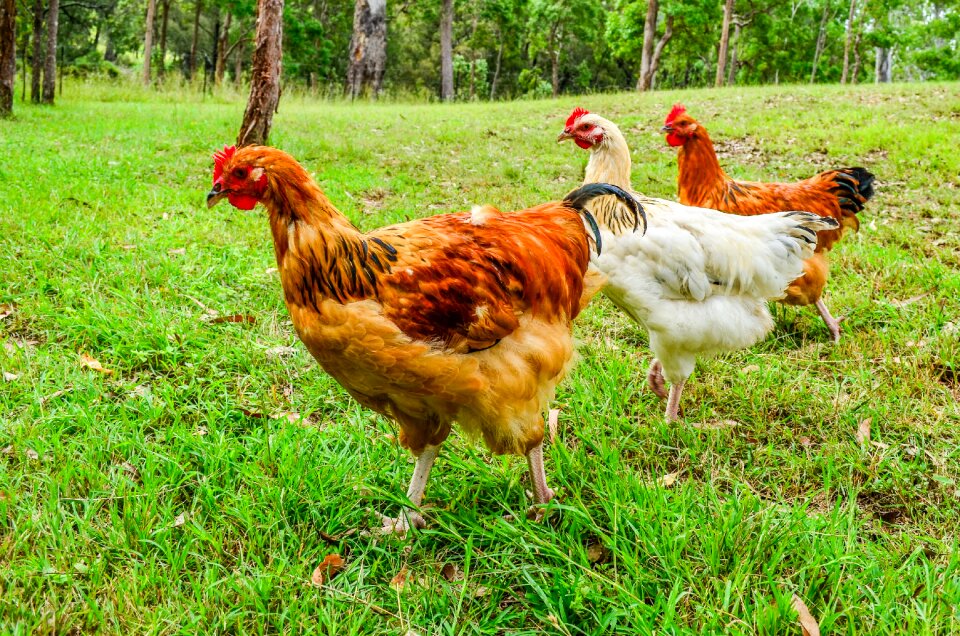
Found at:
<point>538,476</point>
<point>410,518</point>
<point>833,324</point>
<point>673,403</point>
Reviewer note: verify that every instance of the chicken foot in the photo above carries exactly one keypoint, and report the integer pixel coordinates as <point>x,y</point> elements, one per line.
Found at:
<point>538,476</point>
<point>673,403</point>
<point>833,324</point>
<point>410,518</point>
<point>655,379</point>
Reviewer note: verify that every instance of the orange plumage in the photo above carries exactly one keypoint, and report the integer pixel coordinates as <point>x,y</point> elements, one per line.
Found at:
<point>459,317</point>
<point>839,194</point>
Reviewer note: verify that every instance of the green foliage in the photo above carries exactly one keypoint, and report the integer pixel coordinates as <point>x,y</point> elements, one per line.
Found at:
<point>166,498</point>
<point>597,44</point>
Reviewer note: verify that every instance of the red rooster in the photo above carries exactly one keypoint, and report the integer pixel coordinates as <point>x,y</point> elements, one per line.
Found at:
<point>837,194</point>
<point>458,317</point>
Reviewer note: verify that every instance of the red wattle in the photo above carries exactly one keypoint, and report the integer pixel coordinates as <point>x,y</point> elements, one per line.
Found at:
<point>582,143</point>
<point>675,140</point>
<point>242,201</point>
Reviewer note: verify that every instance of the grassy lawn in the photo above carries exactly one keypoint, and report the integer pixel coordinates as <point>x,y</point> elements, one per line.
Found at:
<point>195,487</point>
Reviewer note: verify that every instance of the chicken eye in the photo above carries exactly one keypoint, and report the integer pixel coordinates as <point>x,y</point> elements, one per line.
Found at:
<point>584,127</point>
<point>240,173</point>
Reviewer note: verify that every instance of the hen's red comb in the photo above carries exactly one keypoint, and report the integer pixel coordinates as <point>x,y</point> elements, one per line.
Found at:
<point>678,109</point>
<point>575,115</point>
<point>220,158</point>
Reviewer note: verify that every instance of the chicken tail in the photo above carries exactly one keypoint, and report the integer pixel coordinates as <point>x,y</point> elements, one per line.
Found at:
<point>581,197</point>
<point>853,187</point>
<point>808,224</point>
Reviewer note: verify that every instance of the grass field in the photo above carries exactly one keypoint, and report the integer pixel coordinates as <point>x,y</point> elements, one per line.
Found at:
<point>178,494</point>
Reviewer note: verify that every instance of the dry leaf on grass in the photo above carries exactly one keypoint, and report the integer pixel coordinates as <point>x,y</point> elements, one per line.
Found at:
<point>178,251</point>
<point>399,581</point>
<point>180,520</point>
<point>141,390</point>
<point>908,301</point>
<point>234,318</point>
<point>92,363</point>
<point>808,623</point>
<point>6,310</point>
<point>9,377</point>
<point>750,368</point>
<point>598,553</point>
<point>669,479</point>
<point>451,572</point>
<point>553,419</point>
<point>131,470</point>
<point>334,538</point>
<point>32,454</point>
<point>863,431</point>
<point>331,565</point>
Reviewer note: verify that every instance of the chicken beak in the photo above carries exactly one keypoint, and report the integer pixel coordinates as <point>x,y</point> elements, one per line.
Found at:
<point>668,128</point>
<point>214,196</point>
<point>564,136</point>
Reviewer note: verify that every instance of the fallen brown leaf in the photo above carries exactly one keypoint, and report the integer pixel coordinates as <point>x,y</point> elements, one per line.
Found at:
<point>180,520</point>
<point>750,368</point>
<point>92,363</point>
<point>808,624</point>
<point>399,581</point>
<point>451,572</point>
<point>178,251</point>
<point>32,454</point>
<point>669,479</point>
<point>331,565</point>
<point>10,377</point>
<point>279,352</point>
<point>234,318</point>
<point>908,301</point>
<point>863,431</point>
<point>598,553</point>
<point>6,310</point>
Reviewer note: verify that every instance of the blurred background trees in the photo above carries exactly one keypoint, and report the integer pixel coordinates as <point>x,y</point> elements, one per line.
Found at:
<point>490,49</point>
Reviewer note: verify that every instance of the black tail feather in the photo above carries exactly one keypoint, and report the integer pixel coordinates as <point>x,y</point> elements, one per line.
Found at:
<point>856,185</point>
<point>579,198</point>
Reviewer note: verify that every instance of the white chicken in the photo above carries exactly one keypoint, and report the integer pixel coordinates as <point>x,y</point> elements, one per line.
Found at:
<point>698,280</point>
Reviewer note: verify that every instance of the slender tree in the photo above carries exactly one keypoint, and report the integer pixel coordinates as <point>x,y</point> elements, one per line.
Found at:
<point>8,55</point>
<point>50,62</point>
<point>368,48</point>
<point>164,20</point>
<point>649,35</point>
<point>724,42</point>
<point>265,75</point>
<point>195,41</point>
<point>148,40</point>
<point>821,40</point>
<point>446,51</point>
<point>847,42</point>
<point>36,67</point>
<point>222,51</point>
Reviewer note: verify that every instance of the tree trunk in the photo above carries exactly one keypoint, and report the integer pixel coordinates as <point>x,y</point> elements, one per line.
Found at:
<point>164,20</point>
<point>148,40</point>
<point>553,46</point>
<point>657,52</point>
<point>856,58</point>
<point>646,55</point>
<point>724,42</point>
<point>496,70</point>
<point>195,42</point>
<point>821,40</point>
<point>846,45</point>
<point>883,66</point>
<point>368,48</point>
<point>221,65</point>
<point>446,51</point>
<point>50,63</point>
<point>37,65</point>
<point>265,75</point>
<point>732,70</point>
<point>238,60</point>
<point>8,55</point>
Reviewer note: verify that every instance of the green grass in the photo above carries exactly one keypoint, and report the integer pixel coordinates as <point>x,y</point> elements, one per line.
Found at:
<point>156,501</point>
